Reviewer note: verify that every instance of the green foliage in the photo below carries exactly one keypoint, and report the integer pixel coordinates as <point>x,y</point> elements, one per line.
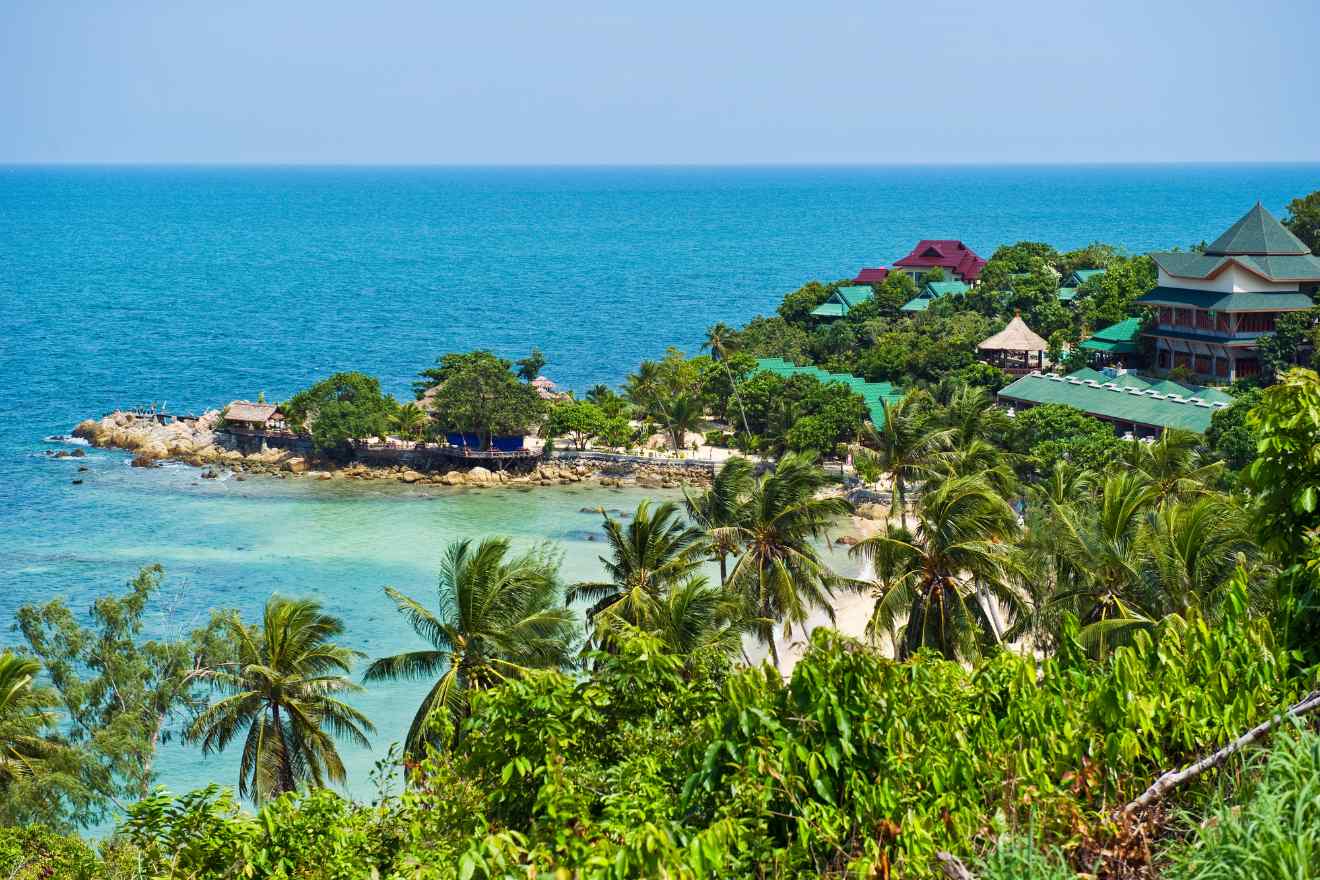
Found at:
<point>530,367</point>
<point>1109,298</point>
<point>775,406</point>
<point>283,687</point>
<point>37,853</point>
<point>579,420</point>
<point>122,695</point>
<point>796,306</point>
<point>1020,857</point>
<point>774,337</point>
<point>498,615</point>
<point>1303,220</point>
<point>1286,479</point>
<point>1056,432</point>
<point>1294,332</point>
<point>1272,832</point>
<point>475,393</point>
<point>341,409</point>
<point>1229,436</point>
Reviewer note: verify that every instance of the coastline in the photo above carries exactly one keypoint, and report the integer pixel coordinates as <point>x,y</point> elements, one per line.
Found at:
<point>203,443</point>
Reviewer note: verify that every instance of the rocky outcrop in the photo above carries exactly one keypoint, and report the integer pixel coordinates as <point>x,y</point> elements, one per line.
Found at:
<point>200,443</point>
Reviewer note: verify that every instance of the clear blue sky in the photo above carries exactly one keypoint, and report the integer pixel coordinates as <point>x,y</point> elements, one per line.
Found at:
<point>296,81</point>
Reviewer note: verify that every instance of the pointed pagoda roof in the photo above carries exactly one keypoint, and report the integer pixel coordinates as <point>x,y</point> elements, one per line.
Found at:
<point>1258,243</point>
<point>1017,336</point>
<point>1258,234</point>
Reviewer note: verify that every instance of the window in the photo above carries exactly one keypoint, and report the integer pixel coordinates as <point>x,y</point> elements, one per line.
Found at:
<point>1256,322</point>
<point>1184,317</point>
<point>1204,321</point>
<point>1221,322</point>
<point>1248,367</point>
<point>1182,359</point>
<point>1166,316</point>
<point>1203,364</point>
<point>1164,358</point>
<point>1221,367</point>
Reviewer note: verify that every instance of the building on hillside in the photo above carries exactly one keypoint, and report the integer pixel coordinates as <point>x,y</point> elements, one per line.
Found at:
<point>877,395</point>
<point>243,415</point>
<point>1012,348</point>
<point>957,260</point>
<point>931,291</point>
<point>1116,344</point>
<point>842,301</point>
<point>1213,306</point>
<point>874,275</point>
<point>1136,406</point>
<point>1068,286</point>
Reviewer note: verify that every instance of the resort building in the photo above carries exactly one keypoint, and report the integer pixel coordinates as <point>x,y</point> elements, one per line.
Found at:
<point>957,260</point>
<point>1016,349</point>
<point>843,301</point>
<point>875,275</point>
<point>1116,344</point>
<point>931,291</point>
<point>1214,305</point>
<point>241,415</point>
<point>1076,278</point>
<point>1136,406</point>
<point>876,394</point>
<point>545,389</point>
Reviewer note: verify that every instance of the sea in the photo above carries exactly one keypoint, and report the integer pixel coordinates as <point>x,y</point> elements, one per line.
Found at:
<point>191,286</point>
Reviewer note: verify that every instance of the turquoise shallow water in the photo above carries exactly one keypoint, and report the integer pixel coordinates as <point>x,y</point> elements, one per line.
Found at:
<point>123,285</point>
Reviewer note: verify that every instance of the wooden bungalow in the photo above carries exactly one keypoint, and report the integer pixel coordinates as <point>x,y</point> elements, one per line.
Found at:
<point>254,418</point>
<point>1012,348</point>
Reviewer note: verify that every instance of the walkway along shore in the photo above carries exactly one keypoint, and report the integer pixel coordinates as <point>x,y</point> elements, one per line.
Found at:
<point>203,443</point>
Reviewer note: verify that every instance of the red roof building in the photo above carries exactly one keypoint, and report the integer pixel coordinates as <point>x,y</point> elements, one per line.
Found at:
<point>954,257</point>
<point>872,276</point>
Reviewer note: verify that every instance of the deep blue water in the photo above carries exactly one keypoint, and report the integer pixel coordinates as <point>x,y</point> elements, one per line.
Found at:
<point>195,286</point>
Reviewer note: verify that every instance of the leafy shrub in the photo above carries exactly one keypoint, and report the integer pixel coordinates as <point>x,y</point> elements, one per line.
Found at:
<point>36,853</point>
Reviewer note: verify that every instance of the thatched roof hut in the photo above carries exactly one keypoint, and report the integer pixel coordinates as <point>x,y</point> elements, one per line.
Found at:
<point>1012,348</point>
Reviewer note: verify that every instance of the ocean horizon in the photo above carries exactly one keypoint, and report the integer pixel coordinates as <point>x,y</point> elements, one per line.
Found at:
<point>194,285</point>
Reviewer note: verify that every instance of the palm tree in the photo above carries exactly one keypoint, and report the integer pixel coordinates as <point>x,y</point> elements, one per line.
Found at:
<point>691,619</point>
<point>972,415</point>
<point>681,413</point>
<point>655,551</point>
<point>928,580</point>
<point>1195,546</point>
<point>721,507</point>
<point>282,689</point>
<point>780,575</point>
<point>720,342</point>
<point>907,444</point>
<point>498,616</point>
<point>1102,540</point>
<point>410,420</point>
<point>1173,463</point>
<point>25,721</point>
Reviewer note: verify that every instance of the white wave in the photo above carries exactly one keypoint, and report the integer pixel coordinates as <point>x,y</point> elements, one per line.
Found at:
<point>66,440</point>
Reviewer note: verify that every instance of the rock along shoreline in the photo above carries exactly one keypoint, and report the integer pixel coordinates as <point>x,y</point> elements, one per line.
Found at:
<point>203,443</point>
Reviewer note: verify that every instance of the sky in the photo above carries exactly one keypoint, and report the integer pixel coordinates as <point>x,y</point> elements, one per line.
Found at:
<point>512,82</point>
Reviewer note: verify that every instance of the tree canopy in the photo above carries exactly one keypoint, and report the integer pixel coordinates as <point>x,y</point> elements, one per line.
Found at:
<point>476,393</point>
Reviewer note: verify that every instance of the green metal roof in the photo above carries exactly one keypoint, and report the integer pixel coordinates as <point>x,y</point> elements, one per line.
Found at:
<point>1128,402</point>
<point>1272,267</point>
<point>917,304</point>
<point>1195,336</point>
<point>873,393</point>
<point>1127,330</point>
<point>1226,302</point>
<point>1112,347</point>
<point>1258,233</point>
<point>843,300</point>
<point>944,288</point>
<point>1078,277</point>
<point>1067,294</point>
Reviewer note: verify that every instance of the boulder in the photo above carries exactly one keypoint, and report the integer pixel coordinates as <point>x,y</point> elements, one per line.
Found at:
<point>454,478</point>
<point>144,461</point>
<point>409,476</point>
<point>479,474</point>
<point>296,465</point>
